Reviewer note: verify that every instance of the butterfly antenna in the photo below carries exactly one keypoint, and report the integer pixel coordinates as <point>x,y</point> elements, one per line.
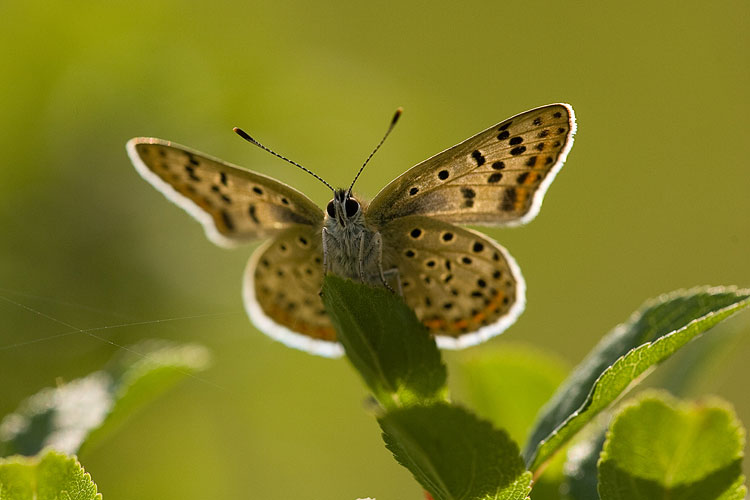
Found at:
<point>390,127</point>
<point>249,139</point>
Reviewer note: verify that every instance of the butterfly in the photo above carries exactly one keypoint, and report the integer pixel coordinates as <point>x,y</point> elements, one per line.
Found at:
<point>464,286</point>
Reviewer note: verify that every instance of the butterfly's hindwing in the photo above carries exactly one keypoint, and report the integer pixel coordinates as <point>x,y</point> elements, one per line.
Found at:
<point>497,177</point>
<point>462,285</point>
<point>233,204</point>
<point>281,291</point>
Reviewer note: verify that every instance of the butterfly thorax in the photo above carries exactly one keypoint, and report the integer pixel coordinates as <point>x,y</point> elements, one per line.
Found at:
<point>349,239</point>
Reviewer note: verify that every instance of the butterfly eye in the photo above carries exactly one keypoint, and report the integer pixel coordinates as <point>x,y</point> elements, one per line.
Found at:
<point>352,207</point>
<point>331,209</point>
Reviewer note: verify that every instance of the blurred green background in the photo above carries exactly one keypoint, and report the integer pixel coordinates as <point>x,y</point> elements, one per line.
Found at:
<point>654,197</point>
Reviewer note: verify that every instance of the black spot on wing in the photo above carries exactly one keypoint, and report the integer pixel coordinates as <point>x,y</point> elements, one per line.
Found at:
<point>190,169</point>
<point>192,159</point>
<point>468,195</point>
<point>253,215</point>
<point>227,220</point>
<point>509,199</point>
<point>478,157</point>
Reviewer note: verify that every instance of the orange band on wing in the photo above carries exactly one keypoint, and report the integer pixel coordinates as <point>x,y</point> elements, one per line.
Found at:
<point>436,325</point>
<point>283,317</point>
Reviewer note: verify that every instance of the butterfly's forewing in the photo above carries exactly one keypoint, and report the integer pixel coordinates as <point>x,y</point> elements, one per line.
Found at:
<point>462,285</point>
<point>233,204</point>
<point>497,177</point>
<point>281,292</point>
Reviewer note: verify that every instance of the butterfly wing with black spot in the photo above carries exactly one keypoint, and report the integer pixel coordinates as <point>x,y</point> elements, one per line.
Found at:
<point>497,177</point>
<point>281,292</point>
<point>233,204</point>
<point>462,285</point>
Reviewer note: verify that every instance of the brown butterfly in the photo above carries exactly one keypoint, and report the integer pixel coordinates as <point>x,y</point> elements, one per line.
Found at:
<point>462,285</point>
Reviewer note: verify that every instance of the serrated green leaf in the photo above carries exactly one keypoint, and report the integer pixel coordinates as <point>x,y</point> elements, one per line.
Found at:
<point>652,334</point>
<point>660,449</point>
<point>386,343</point>
<point>509,383</point>
<point>84,410</point>
<point>54,476</point>
<point>455,455</point>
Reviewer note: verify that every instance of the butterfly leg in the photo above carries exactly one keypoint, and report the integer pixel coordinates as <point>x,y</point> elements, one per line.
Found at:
<point>362,257</point>
<point>324,237</point>
<point>377,240</point>
<point>394,272</point>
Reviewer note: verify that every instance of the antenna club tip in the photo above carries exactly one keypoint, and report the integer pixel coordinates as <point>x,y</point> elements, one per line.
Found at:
<point>243,134</point>
<point>397,115</point>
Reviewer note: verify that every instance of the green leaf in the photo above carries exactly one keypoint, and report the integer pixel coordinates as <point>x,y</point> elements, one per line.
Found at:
<point>660,449</point>
<point>54,476</point>
<point>84,410</point>
<point>651,335</point>
<point>385,342</point>
<point>509,383</point>
<point>455,455</point>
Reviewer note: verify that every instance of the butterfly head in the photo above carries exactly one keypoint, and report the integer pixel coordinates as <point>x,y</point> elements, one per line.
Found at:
<point>344,208</point>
